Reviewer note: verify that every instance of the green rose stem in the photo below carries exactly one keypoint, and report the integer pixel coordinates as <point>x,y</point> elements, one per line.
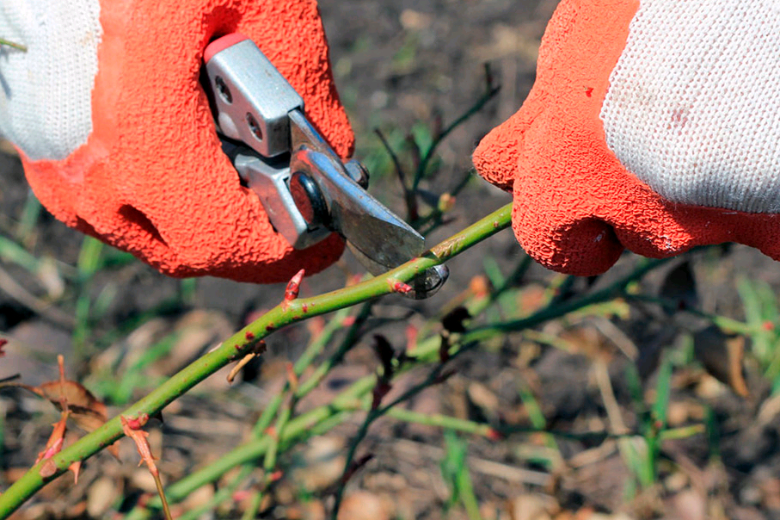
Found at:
<point>17,46</point>
<point>245,341</point>
<point>322,419</point>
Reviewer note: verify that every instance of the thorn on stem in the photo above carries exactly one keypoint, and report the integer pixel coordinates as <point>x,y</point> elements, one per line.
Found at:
<point>294,286</point>
<point>494,435</point>
<point>55,442</point>
<point>75,467</point>
<point>397,286</point>
<point>259,349</point>
<point>132,428</point>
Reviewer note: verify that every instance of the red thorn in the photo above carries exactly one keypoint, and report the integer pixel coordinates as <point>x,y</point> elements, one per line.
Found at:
<point>238,496</point>
<point>305,308</point>
<point>275,476</point>
<point>56,439</point>
<point>348,321</point>
<point>270,327</point>
<point>132,428</point>
<point>53,449</point>
<point>494,435</point>
<point>136,423</point>
<point>397,286</point>
<point>75,467</point>
<point>249,336</point>
<point>294,286</point>
<point>767,326</point>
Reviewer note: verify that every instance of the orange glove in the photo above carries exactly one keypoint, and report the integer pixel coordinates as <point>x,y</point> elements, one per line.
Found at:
<point>653,125</point>
<point>120,143</point>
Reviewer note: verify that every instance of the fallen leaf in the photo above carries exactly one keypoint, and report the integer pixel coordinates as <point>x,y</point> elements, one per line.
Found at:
<point>722,357</point>
<point>67,395</point>
<point>362,505</point>
<point>531,507</point>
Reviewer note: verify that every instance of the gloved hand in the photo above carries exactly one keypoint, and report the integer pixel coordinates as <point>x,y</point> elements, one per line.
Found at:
<point>116,135</point>
<point>653,125</point>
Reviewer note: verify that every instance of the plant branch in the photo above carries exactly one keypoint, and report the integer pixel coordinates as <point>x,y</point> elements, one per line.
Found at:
<point>490,91</point>
<point>244,341</point>
<point>17,46</point>
<point>357,396</point>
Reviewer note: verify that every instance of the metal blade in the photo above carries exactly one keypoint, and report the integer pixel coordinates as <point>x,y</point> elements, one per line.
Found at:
<point>371,228</point>
<point>386,241</point>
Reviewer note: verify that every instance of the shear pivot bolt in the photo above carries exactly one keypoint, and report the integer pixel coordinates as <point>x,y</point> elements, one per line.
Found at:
<point>308,199</point>
<point>357,172</point>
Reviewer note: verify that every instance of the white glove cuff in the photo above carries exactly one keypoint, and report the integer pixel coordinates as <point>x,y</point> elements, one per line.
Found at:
<point>45,93</point>
<point>693,107</point>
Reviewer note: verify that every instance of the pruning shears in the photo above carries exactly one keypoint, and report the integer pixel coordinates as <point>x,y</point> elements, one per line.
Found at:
<point>307,191</point>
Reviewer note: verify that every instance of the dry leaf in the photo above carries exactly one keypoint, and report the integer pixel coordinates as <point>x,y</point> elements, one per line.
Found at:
<point>722,357</point>
<point>531,507</point>
<point>362,505</point>
<point>67,395</point>
<point>88,413</point>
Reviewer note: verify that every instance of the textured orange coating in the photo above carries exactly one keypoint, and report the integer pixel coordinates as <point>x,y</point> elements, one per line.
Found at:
<point>575,206</point>
<point>151,178</point>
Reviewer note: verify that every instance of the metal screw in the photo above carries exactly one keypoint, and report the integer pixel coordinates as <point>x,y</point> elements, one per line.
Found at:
<point>254,127</point>
<point>308,199</point>
<point>224,91</point>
